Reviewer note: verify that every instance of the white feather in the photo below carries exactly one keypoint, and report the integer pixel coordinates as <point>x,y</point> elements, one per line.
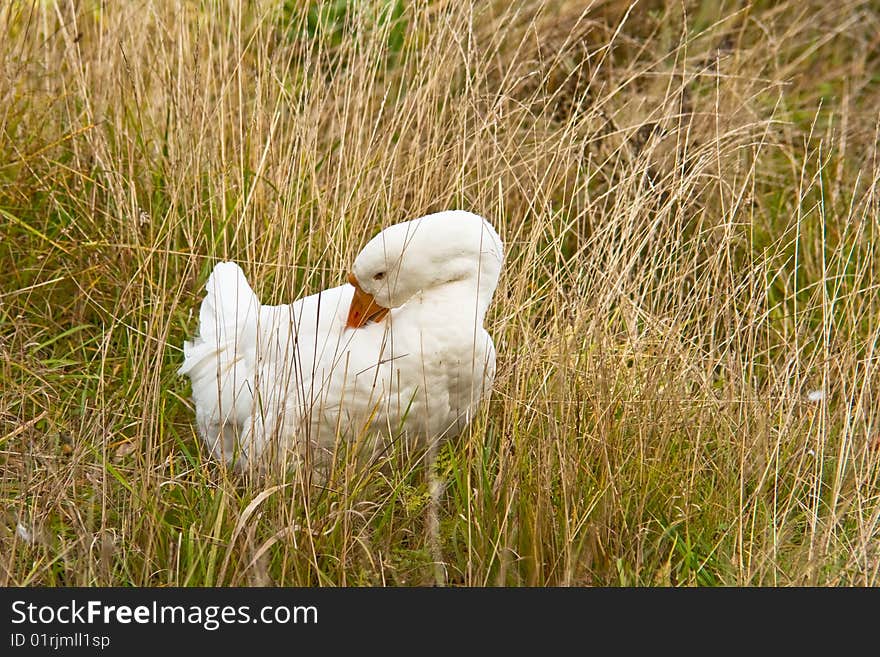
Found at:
<point>293,378</point>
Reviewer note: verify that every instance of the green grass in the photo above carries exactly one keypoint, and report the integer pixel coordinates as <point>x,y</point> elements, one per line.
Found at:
<point>689,194</point>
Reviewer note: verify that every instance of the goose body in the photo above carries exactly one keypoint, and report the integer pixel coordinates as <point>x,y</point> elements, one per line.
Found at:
<point>399,352</point>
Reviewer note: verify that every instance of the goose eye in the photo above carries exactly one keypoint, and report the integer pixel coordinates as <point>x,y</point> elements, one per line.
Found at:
<point>379,276</point>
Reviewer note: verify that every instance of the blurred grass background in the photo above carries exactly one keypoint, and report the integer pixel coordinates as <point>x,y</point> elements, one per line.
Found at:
<point>686,325</point>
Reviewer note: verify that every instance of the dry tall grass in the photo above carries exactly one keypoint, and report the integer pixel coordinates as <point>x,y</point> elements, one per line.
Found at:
<point>689,196</point>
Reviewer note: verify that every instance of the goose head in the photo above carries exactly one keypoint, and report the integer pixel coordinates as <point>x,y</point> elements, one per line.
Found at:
<point>419,256</point>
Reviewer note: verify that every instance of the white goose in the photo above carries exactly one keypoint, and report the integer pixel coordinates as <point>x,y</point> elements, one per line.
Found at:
<point>400,352</point>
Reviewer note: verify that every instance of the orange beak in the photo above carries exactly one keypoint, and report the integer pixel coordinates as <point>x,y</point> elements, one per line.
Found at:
<point>363,307</point>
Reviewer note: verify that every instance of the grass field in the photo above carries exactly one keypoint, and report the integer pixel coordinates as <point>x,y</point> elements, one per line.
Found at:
<point>688,323</point>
